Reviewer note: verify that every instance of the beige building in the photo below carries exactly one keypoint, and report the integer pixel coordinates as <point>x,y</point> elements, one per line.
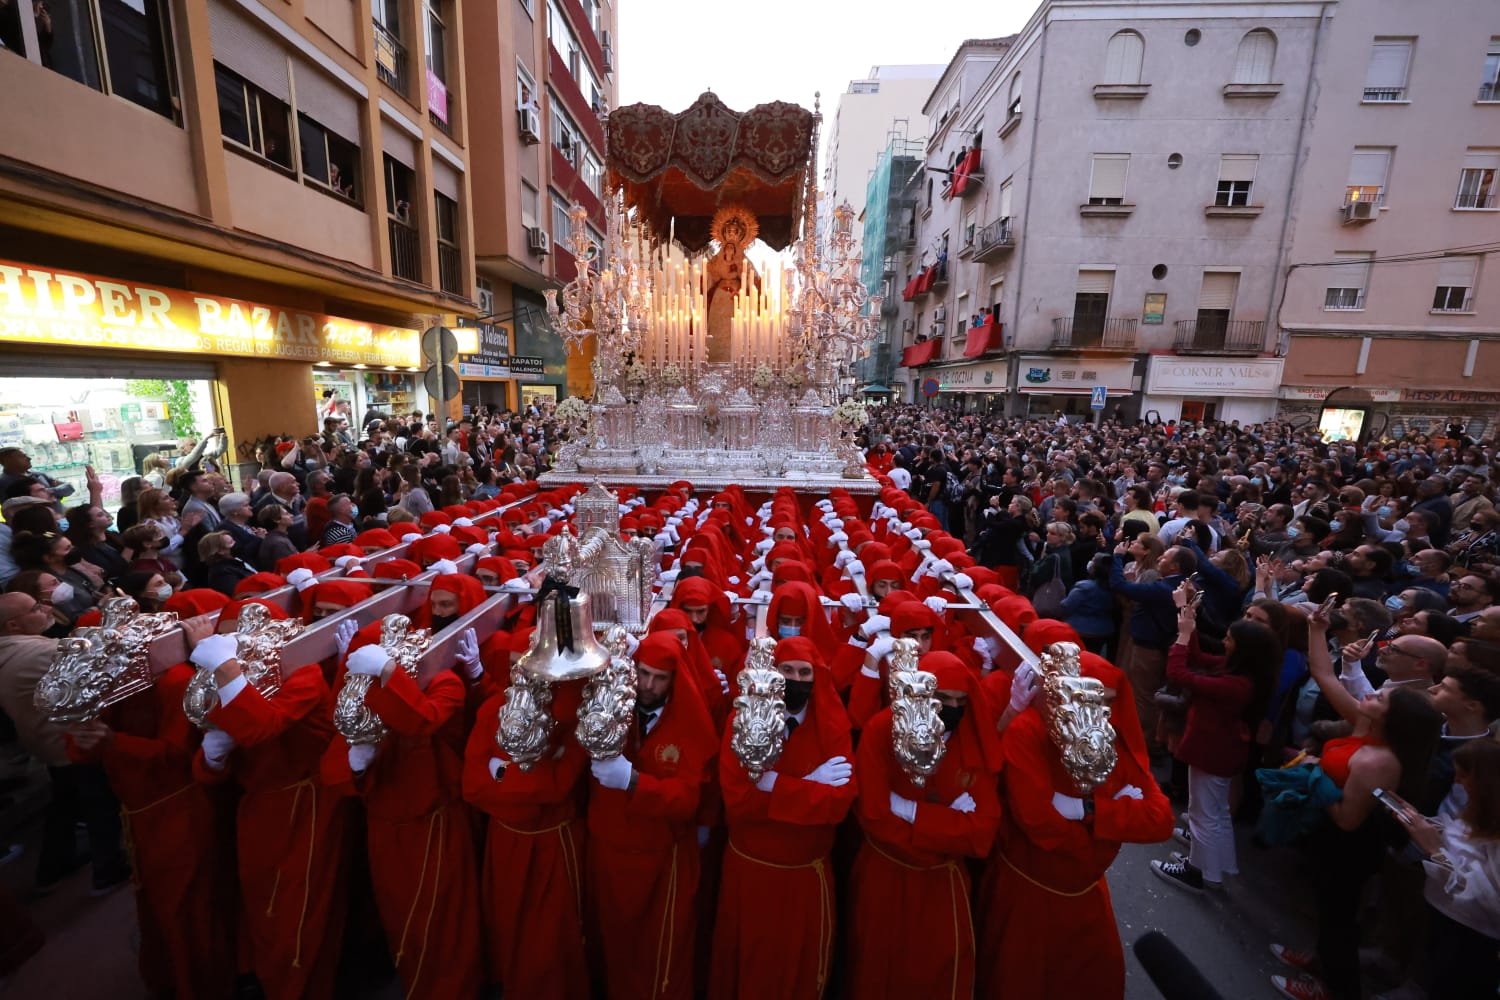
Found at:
<point>1105,207</point>
<point>1403,156</point>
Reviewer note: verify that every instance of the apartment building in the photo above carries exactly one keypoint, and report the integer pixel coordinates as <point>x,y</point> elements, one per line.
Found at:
<point>249,202</point>
<point>541,78</point>
<point>1392,294</point>
<point>1105,206</point>
<point>888,230</point>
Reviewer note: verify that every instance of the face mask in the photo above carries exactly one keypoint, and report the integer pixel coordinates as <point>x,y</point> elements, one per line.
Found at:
<point>62,524</point>
<point>62,593</point>
<point>162,593</point>
<point>787,631</point>
<point>1383,511</point>
<point>797,695</point>
<point>1256,481</point>
<point>1293,531</point>
<point>951,714</point>
<point>1335,525</point>
<point>354,511</point>
<point>1394,603</point>
<point>440,622</point>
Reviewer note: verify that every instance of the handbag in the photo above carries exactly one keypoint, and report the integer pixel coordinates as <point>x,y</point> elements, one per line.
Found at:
<point>1048,599</point>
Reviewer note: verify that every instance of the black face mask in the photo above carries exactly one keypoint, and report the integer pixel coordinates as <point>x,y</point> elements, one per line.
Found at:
<point>951,715</point>
<point>798,693</point>
<point>689,572</point>
<point>440,622</point>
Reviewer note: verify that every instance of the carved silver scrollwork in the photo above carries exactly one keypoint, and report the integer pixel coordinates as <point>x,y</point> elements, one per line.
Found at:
<point>259,639</point>
<point>759,732</point>
<point>608,708</point>
<point>916,725</point>
<point>353,719</point>
<point>99,666</point>
<point>1078,718</point>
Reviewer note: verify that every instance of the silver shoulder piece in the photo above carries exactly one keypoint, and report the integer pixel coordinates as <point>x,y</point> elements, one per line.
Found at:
<point>916,725</point>
<point>99,666</point>
<point>351,716</point>
<point>608,708</point>
<point>1077,717</point>
<point>759,733</point>
<point>259,639</point>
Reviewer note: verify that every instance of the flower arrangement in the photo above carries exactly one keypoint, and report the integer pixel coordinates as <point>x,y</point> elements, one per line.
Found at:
<point>671,375</point>
<point>575,411</point>
<point>795,376</point>
<point>762,377</point>
<point>636,374</point>
<point>851,415</point>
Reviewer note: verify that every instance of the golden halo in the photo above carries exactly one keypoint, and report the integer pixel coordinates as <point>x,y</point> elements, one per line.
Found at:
<point>735,216</point>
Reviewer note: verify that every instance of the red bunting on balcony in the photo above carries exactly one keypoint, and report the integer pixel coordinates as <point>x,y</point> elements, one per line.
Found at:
<point>925,279</point>
<point>910,291</point>
<point>968,166</point>
<point>923,353</point>
<point>987,337</point>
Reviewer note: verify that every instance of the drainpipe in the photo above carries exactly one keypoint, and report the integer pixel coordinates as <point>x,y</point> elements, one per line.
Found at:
<point>1283,273</point>
<point>1036,126</point>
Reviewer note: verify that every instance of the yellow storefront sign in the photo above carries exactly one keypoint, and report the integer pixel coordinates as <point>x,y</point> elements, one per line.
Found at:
<point>58,308</point>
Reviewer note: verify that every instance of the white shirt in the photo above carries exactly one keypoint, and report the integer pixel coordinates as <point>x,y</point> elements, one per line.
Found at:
<point>1169,532</point>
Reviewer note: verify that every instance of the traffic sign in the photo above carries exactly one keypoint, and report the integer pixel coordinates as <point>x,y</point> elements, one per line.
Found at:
<point>439,344</point>
<point>1101,393</point>
<point>441,382</point>
<point>930,387</point>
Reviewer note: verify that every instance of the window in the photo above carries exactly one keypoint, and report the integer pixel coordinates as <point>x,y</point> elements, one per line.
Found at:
<point>565,134</point>
<point>252,119</point>
<point>1476,182</point>
<point>560,34</point>
<point>1215,303</point>
<point>437,64</point>
<point>1005,199</point>
<point>1489,87</point>
<point>450,262</point>
<point>525,88</point>
<point>1091,306</point>
<point>406,245</point>
<point>1347,280</point>
<point>593,174</point>
<point>562,226</point>
<point>1255,58</point>
<point>530,205</point>
<point>328,160</point>
<point>1369,169</point>
<point>864,87</point>
<point>1236,174</point>
<point>390,53</point>
<point>1122,58</point>
<point>398,185</point>
<point>1107,185</point>
<point>1455,285</point>
<point>529,6</point>
<point>119,47</point>
<point>1013,105</point>
<point>1385,79</point>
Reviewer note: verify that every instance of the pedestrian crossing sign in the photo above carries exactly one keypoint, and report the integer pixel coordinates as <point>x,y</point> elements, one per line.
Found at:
<point>1101,393</point>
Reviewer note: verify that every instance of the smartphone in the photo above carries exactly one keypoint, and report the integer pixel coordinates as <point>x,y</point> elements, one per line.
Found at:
<point>1327,605</point>
<point>1395,805</point>
<point>1195,598</point>
<point>1370,639</point>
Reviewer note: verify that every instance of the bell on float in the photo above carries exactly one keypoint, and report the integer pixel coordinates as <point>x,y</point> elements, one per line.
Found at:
<point>550,658</point>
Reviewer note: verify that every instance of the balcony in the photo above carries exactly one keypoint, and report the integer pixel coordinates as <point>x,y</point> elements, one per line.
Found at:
<point>406,250</point>
<point>1343,299</point>
<point>1121,91</point>
<point>994,241</point>
<point>1218,336</point>
<point>967,177</point>
<point>391,61</point>
<point>450,269</point>
<point>1384,95</point>
<point>923,353</point>
<point>1489,92</point>
<point>1093,333</point>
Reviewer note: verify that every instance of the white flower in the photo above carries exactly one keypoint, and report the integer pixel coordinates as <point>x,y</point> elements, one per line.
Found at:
<point>637,373</point>
<point>795,377</point>
<point>671,375</point>
<point>851,414</point>
<point>574,410</point>
<point>763,376</point>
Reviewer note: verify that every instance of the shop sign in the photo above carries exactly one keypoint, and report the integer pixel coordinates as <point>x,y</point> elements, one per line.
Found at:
<point>494,345</point>
<point>972,378</point>
<point>1448,396</point>
<point>1207,377</point>
<point>60,308</point>
<point>1154,311</point>
<point>524,365</point>
<point>1043,373</point>
<point>1318,393</point>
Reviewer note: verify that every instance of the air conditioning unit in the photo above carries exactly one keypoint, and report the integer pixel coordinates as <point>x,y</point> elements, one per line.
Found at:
<point>908,325</point>
<point>1359,211</point>
<point>938,328</point>
<point>538,241</point>
<point>531,125</point>
<point>940,313</point>
<point>608,45</point>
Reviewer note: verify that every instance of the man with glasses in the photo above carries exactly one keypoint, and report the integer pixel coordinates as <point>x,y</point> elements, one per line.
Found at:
<point>1469,596</point>
<point>1406,659</point>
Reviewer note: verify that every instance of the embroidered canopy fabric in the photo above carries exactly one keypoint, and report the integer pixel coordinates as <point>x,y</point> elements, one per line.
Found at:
<point>677,170</point>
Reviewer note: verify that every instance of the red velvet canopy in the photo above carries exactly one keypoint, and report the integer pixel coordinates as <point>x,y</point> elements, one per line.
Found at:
<point>682,168</point>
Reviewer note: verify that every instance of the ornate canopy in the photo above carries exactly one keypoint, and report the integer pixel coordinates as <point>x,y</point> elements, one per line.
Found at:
<point>678,170</point>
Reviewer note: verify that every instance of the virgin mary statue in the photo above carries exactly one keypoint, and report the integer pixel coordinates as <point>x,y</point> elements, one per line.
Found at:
<point>734,228</point>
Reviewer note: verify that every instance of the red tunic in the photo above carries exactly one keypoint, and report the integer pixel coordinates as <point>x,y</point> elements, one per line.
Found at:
<point>421,844</point>
<point>774,932</point>
<point>1049,929</point>
<point>643,864</point>
<point>911,933</point>
<point>290,833</point>
<point>532,885</point>
<point>170,823</point>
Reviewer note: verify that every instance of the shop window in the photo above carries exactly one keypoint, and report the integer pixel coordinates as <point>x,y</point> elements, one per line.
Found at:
<point>450,261</point>
<point>119,47</point>
<point>329,161</point>
<point>252,120</point>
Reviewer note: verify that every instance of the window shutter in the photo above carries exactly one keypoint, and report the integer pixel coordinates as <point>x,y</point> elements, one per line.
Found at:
<point>1096,282</point>
<point>326,102</point>
<point>1218,290</point>
<point>1353,270</point>
<point>1482,159</point>
<point>398,145</point>
<point>1369,167</point>
<point>252,53</point>
<point>1456,272</point>
<point>1122,58</point>
<point>1005,200</point>
<point>1254,60</point>
<point>444,179</point>
<point>1388,65</point>
<point>1237,166</point>
<point>1109,175</point>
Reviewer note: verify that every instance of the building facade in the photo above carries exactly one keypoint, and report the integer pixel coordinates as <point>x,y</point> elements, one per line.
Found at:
<point>887,229</point>
<point>1384,308</point>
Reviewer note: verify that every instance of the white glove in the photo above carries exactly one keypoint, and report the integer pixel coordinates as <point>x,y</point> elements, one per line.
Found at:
<point>342,562</point>
<point>669,575</point>
<point>881,647</point>
<point>764,545</point>
<point>843,558</point>
<point>915,534</point>
<point>477,549</point>
<point>467,654</point>
<point>613,773</point>
<point>835,771</point>
<point>762,595</point>
<point>444,567</point>
<point>903,808</point>
<point>361,756</point>
<point>824,505</point>
<point>463,522</point>
<point>878,510</point>
<point>963,581</point>
<point>749,522</point>
<point>515,583</point>
<point>766,781</point>
<point>213,651</point>
<point>723,681</point>
<point>636,502</point>
<point>1023,687</point>
<point>1067,806</point>
<point>764,576</point>
<point>837,538</point>
<point>853,602</point>
<point>758,563</point>
<point>301,578</point>
<point>1130,792</point>
<point>734,581</point>
<point>964,803</point>
<point>983,649</point>
<point>216,746</point>
<point>367,661</point>
<point>732,597</point>
<point>939,568</point>
<point>441,529</point>
<point>631,643</point>
<point>875,623</point>
<point>921,545</point>
<point>854,569</point>
<point>937,604</point>
<point>497,767</point>
<point>344,633</point>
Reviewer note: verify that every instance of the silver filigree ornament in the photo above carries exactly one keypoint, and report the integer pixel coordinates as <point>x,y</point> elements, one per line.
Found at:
<point>759,732</point>
<point>259,639</point>
<point>96,667</point>
<point>354,720</point>
<point>1078,717</point>
<point>608,708</point>
<point>916,723</point>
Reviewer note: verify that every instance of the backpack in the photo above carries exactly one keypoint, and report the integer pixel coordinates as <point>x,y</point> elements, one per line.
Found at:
<point>954,488</point>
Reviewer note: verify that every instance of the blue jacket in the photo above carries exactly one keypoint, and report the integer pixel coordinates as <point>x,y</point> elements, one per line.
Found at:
<point>1090,608</point>
<point>1153,621</point>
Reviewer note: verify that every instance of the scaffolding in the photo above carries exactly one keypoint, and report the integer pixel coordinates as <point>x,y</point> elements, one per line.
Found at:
<point>888,221</point>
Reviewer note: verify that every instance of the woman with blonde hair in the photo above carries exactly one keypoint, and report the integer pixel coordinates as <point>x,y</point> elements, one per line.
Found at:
<point>157,508</point>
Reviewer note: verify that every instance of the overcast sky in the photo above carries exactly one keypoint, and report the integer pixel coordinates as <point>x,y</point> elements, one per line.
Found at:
<point>748,53</point>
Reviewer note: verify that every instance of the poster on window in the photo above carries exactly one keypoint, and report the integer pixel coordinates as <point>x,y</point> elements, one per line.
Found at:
<point>1154,312</point>
<point>1341,425</point>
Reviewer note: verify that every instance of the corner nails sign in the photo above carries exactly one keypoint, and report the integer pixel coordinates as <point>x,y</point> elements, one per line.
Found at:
<point>50,307</point>
<point>1207,376</point>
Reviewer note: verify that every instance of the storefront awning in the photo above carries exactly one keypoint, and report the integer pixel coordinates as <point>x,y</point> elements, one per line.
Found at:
<point>877,389</point>
<point>922,354</point>
<point>988,337</point>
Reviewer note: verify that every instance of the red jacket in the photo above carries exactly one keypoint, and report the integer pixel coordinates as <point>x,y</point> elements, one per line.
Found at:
<point>1217,738</point>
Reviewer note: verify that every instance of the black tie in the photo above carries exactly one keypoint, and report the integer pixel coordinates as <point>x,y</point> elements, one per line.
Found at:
<point>644,717</point>
<point>791,725</point>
